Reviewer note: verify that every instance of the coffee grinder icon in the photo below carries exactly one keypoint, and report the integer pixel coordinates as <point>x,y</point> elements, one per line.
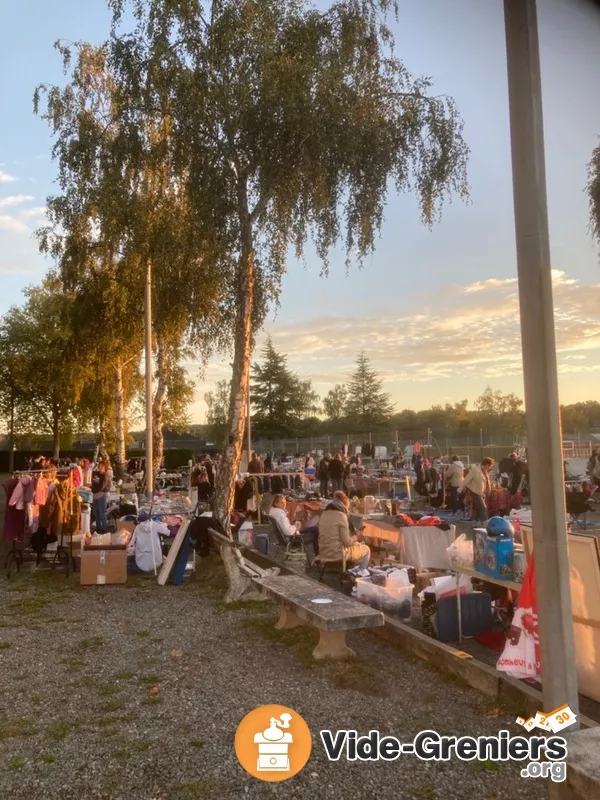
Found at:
<point>273,745</point>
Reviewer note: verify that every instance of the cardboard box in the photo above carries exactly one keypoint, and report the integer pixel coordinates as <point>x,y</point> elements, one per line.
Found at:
<point>103,565</point>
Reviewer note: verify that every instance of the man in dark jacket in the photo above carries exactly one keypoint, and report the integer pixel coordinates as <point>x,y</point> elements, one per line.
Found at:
<point>336,473</point>
<point>323,474</point>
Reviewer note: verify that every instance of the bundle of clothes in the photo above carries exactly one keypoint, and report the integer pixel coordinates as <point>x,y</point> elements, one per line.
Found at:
<point>42,508</point>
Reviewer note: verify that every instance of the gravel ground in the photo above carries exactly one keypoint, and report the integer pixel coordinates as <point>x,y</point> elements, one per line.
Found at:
<point>136,692</point>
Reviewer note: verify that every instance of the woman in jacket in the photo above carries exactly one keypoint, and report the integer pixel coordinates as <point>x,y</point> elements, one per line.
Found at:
<point>100,489</point>
<point>335,539</point>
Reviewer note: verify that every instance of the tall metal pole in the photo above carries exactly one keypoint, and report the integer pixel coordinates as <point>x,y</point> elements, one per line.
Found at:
<point>559,671</point>
<point>149,447</point>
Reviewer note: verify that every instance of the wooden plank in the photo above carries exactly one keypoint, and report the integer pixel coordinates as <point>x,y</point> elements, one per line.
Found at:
<point>172,554</point>
<point>297,593</point>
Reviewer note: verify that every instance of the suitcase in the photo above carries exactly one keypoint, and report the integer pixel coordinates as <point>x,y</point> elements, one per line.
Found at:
<point>261,543</point>
<point>476,613</point>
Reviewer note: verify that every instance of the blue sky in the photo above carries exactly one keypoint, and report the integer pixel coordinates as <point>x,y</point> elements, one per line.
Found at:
<point>436,310</point>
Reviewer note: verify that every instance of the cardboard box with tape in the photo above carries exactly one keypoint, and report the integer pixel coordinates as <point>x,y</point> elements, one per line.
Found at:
<point>103,565</point>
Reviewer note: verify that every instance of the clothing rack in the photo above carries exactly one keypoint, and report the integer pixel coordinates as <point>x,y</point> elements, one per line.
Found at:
<point>15,554</point>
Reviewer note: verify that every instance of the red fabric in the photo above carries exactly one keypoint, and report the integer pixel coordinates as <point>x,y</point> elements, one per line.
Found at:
<point>407,522</point>
<point>521,656</point>
<point>429,522</point>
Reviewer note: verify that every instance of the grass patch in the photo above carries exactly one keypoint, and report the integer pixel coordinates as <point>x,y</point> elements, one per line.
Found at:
<point>485,766</point>
<point>36,699</point>
<point>304,639</point>
<point>93,643</point>
<point>140,747</point>
<point>59,731</point>
<point>352,674</point>
<point>17,728</point>
<point>142,634</point>
<point>150,680</point>
<point>109,690</point>
<point>451,678</point>
<point>153,701</point>
<point>47,758</point>
<point>124,676</point>
<point>73,662</point>
<point>197,743</point>
<point>5,645</point>
<point>16,762</point>
<point>425,793</point>
<point>25,606</point>
<point>114,705</point>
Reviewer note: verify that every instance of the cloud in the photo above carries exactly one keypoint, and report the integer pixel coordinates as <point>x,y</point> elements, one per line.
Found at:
<point>466,340</point>
<point>9,223</point>
<point>490,284</point>
<point>15,200</point>
<point>6,178</point>
<point>24,218</point>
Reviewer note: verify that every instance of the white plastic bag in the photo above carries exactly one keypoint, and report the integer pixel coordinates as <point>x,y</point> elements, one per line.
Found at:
<point>397,577</point>
<point>446,586</point>
<point>460,552</point>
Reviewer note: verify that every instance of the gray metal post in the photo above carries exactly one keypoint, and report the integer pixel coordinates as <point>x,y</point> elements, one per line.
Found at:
<point>559,671</point>
<point>149,368</point>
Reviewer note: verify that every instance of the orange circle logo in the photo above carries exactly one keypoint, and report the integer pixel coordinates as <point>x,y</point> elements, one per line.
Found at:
<point>273,743</point>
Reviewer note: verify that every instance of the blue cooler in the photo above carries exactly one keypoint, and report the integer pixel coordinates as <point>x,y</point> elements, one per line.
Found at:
<point>499,558</point>
<point>261,543</point>
<point>499,549</point>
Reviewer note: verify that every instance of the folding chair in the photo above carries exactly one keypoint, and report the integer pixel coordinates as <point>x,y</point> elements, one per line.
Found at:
<point>578,505</point>
<point>290,546</point>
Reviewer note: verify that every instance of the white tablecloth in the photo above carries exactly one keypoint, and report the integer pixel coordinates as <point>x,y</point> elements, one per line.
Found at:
<point>417,546</point>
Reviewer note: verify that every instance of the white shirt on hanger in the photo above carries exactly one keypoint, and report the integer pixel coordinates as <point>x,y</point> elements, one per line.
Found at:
<point>145,544</point>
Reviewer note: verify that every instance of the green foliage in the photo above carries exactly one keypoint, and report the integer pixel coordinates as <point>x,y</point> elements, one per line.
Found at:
<point>43,362</point>
<point>593,192</point>
<point>278,395</point>
<point>368,406</point>
<point>217,411</point>
<point>334,402</point>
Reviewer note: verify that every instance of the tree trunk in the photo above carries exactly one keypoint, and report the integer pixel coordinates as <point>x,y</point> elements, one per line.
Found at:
<point>238,404</point>
<point>158,404</point>
<point>119,421</point>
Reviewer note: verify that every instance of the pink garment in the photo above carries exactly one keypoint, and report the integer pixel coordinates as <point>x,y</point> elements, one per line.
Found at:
<point>18,498</point>
<point>41,491</point>
<point>14,518</point>
<point>76,473</point>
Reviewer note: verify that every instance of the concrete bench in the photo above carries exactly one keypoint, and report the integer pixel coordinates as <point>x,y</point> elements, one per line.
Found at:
<point>295,595</point>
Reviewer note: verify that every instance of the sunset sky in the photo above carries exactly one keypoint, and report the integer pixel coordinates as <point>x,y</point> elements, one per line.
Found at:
<point>436,310</point>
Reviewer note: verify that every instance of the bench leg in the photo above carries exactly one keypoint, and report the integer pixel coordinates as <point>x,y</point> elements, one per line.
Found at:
<point>332,644</point>
<point>287,619</point>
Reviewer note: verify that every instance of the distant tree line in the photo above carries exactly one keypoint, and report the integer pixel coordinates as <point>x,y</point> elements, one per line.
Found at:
<point>285,405</point>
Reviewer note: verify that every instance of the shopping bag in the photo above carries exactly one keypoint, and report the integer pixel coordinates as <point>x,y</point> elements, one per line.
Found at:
<point>460,552</point>
<point>521,655</point>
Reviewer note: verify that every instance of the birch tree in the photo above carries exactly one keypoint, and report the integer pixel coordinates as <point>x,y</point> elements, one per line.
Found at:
<point>287,124</point>
<point>120,209</point>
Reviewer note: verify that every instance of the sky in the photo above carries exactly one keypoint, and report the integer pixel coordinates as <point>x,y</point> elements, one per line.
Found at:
<point>435,309</point>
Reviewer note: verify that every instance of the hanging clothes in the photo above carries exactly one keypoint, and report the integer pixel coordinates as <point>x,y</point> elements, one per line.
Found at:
<point>14,518</point>
<point>64,509</point>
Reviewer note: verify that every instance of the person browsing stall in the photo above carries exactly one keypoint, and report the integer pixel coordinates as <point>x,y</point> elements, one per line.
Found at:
<point>100,488</point>
<point>335,538</point>
<point>455,476</point>
<point>477,483</point>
